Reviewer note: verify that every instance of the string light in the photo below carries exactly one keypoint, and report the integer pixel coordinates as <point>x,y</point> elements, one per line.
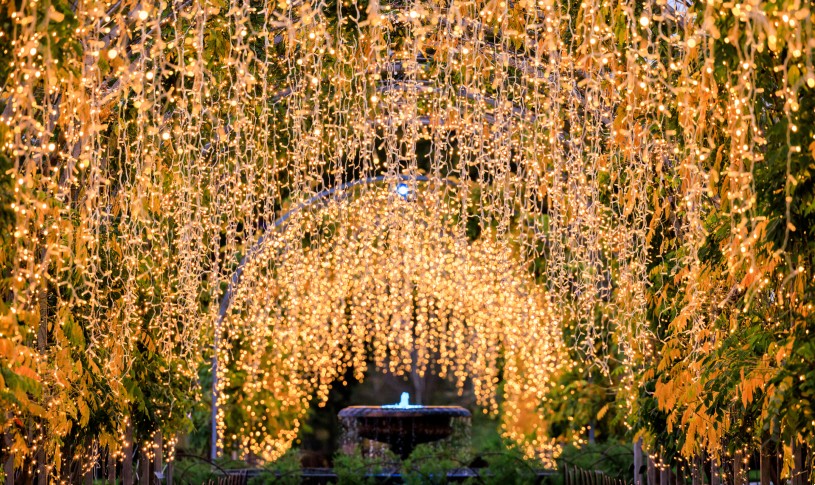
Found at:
<point>152,144</point>
<point>395,280</point>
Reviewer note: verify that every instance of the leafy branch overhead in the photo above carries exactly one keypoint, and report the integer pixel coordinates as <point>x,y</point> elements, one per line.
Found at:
<point>598,214</point>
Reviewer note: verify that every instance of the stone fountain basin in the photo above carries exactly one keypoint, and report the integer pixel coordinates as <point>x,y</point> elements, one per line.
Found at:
<point>403,428</point>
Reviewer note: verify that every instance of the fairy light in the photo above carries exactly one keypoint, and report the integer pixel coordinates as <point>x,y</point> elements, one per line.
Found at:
<point>163,155</point>
<point>397,279</point>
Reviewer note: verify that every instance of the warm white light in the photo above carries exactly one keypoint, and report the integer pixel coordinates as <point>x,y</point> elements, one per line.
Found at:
<point>574,162</point>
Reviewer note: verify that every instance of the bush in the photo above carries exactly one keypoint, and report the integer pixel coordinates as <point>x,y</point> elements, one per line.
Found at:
<point>613,459</point>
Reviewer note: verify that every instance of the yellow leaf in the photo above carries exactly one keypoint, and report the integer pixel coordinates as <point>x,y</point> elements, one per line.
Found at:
<point>6,347</point>
<point>27,372</point>
<point>786,467</point>
<point>37,410</point>
<point>84,413</point>
<point>54,15</point>
<point>602,412</point>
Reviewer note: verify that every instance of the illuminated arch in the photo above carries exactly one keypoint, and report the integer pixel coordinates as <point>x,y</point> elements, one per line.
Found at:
<point>226,299</point>
<point>299,315</point>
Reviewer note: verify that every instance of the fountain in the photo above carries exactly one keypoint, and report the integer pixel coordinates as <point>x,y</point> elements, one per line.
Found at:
<point>402,426</point>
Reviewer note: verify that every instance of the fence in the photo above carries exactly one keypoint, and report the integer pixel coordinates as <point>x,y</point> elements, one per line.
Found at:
<point>573,475</point>
<point>765,462</point>
<point>238,479</point>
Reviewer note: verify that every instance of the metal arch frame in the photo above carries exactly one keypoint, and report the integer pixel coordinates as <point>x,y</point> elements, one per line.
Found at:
<point>226,299</point>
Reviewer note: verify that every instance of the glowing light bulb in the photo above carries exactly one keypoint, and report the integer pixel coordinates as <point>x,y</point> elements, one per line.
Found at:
<point>402,189</point>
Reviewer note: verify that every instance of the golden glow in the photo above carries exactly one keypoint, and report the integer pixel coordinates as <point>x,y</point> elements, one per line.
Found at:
<point>397,281</point>
<point>153,142</point>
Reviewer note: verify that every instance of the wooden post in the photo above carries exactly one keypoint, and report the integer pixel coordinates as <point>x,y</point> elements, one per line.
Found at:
<point>8,466</point>
<point>42,472</point>
<point>764,463</point>
<point>213,450</point>
<point>169,479</point>
<point>144,467</point>
<point>88,478</point>
<point>111,468</point>
<point>651,473</point>
<point>127,450</point>
<point>158,454</point>
<point>664,473</point>
<point>696,470</point>
<point>739,472</point>
<point>89,462</point>
<point>42,345</point>
<point>638,462</point>
<point>799,471</point>
<point>715,472</point>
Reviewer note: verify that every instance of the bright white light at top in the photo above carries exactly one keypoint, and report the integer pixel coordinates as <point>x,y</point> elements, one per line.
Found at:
<point>404,402</point>
<point>403,190</point>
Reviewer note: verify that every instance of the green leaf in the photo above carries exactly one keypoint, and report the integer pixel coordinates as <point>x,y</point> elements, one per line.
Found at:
<point>793,74</point>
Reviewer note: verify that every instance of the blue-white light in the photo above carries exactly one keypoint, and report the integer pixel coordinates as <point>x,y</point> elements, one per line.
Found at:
<point>404,403</point>
<point>403,190</point>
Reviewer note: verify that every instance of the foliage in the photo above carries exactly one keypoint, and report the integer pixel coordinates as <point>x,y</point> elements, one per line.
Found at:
<point>194,470</point>
<point>284,471</point>
<point>732,320</point>
<point>353,468</point>
<point>613,459</point>
<point>652,163</point>
<point>426,464</point>
<point>507,467</point>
